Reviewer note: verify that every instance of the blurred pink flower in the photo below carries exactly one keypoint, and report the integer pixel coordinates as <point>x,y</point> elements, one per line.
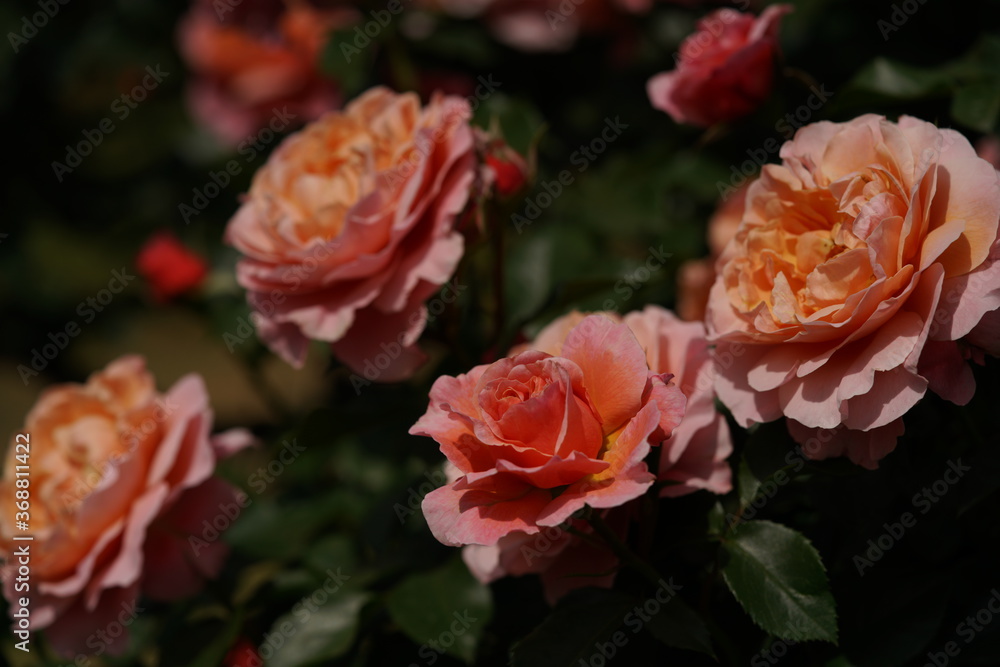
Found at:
<point>121,478</point>
<point>253,59</point>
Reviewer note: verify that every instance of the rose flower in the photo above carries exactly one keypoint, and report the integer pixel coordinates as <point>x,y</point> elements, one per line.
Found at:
<point>350,227</point>
<point>725,69</point>
<point>536,437</point>
<point>863,269</point>
<point>692,458</point>
<point>255,57</point>
<point>120,478</point>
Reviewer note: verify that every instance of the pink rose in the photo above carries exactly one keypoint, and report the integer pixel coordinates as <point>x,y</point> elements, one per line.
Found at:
<point>255,59</point>
<point>692,458</point>
<point>120,478</point>
<point>724,71</point>
<point>349,228</point>
<point>536,437</point>
<point>862,261</point>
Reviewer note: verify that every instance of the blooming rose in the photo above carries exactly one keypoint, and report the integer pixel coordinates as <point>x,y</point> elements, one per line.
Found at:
<point>121,476</point>
<point>349,228</point>
<point>256,58</point>
<point>536,437</point>
<point>724,71</point>
<point>695,276</point>
<point>861,260</point>
<point>169,267</point>
<point>692,458</point>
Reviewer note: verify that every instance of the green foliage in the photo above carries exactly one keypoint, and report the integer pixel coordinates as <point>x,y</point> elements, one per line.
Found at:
<point>778,577</point>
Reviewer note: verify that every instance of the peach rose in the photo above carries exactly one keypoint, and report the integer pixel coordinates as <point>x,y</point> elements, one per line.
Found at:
<point>120,476</point>
<point>349,228</point>
<point>692,458</point>
<point>725,69</point>
<point>861,260</point>
<point>536,437</point>
<point>256,56</point>
<point>695,276</point>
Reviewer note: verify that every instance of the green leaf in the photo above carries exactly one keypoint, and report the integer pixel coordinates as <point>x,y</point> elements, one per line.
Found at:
<point>747,483</point>
<point>778,577</point>
<point>893,79</point>
<point>309,638</point>
<point>977,106</point>
<point>680,626</point>
<point>444,608</point>
<point>571,633</point>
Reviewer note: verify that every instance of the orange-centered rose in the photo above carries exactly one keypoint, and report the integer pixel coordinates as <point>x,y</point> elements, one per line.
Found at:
<point>120,476</point>
<point>350,227</point>
<point>860,261</point>
<point>536,437</point>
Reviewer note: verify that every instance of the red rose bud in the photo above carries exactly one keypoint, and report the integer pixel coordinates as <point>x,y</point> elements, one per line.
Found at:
<point>243,654</point>
<point>509,176</point>
<point>169,267</point>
